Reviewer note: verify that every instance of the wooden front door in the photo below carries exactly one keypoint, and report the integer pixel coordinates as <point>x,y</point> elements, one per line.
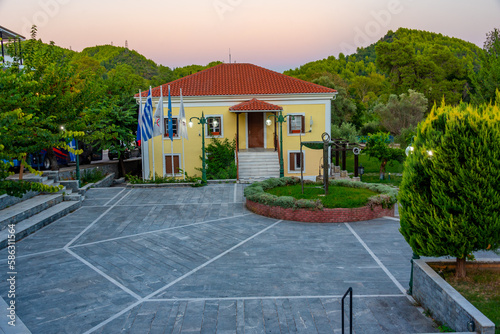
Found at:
<point>255,129</point>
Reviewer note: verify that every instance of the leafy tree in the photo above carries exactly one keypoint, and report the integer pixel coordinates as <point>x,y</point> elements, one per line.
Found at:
<point>220,162</point>
<point>111,126</point>
<point>19,130</point>
<point>343,108</point>
<point>65,94</point>
<point>487,80</point>
<point>450,193</point>
<point>378,147</point>
<point>346,131</point>
<point>402,112</point>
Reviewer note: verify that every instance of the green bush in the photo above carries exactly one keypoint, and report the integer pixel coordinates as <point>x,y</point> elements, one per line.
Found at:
<point>450,193</point>
<point>256,193</point>
<point>220,160</point>
<point>285,201</point>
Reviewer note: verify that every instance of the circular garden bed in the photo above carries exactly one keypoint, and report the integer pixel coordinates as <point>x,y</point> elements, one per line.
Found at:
<point>364,202</point>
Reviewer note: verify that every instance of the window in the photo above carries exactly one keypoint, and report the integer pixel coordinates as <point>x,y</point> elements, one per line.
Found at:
<point>214,126</point>
<point>296,124</point>
<point>168,164</point>
<point>295,162</point>
<point>174,127</point>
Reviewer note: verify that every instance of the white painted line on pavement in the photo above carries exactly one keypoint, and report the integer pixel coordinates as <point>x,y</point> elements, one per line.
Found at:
<point>117,196</point>
<point>211,260</point>
<point>100,272</point>
<point>96,327</point>
<point>97,219</point>
<point>157,231</point>
<point>391,218</point>
<point>267,298</point>
<point>393,279</point>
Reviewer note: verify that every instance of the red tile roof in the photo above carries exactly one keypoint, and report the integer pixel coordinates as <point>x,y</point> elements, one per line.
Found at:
<point>255,104</point>
<point>238,79</point>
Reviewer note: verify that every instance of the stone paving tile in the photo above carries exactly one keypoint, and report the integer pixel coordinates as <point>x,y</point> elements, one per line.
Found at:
<point>65,229</point>
<point>56,293</point>
<point>130,220</point>
<point>263,275</point>
<point>290,259</point>
<point>310,315</point>
<point>102,193</point>
<point>146,263</point>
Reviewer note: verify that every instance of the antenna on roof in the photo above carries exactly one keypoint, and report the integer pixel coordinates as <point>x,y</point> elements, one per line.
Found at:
<point>229,55</point>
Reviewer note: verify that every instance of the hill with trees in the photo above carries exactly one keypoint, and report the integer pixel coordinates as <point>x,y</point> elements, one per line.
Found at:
<point>437,66</point>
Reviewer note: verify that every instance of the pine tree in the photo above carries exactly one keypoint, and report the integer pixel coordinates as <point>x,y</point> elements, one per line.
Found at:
<point>450,193</point>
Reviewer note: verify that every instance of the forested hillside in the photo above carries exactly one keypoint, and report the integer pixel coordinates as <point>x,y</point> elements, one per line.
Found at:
<point>436,66</point>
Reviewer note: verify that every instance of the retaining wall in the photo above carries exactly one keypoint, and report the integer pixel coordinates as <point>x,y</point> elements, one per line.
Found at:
<point>444,302</point>
<point>320,216</point>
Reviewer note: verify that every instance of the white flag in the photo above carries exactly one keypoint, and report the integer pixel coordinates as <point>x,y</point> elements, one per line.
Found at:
<point>158,119</point>
<point>183,132</point>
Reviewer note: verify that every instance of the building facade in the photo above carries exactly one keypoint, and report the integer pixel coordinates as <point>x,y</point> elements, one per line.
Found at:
<point>242,102</point>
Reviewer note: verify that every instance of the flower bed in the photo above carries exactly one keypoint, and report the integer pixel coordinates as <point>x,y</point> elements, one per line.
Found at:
<point>289,208</point>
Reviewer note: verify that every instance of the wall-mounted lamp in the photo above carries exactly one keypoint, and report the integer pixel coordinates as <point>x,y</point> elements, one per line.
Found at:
<point>269,122</point>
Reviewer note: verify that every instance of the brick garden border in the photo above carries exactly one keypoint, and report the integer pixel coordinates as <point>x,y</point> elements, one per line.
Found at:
<point>339,215</point>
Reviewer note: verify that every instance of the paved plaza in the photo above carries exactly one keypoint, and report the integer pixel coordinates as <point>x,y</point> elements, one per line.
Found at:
<point>195,260</point>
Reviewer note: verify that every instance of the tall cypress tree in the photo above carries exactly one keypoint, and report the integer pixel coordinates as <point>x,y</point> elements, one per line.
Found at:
<point>450,193</point>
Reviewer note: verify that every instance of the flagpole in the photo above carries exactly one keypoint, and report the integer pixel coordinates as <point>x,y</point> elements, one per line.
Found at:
<point>162,135</point>
<point>171,138</point>
<point>153,144</point>
<point>140,129</point>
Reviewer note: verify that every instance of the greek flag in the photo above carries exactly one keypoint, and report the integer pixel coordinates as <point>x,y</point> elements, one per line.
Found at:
<point>147,119</point>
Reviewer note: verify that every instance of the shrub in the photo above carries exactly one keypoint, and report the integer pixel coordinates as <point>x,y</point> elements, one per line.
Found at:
<point>220,159</point>
<point>450,193</point>
<point>285,201</point>
<point>256,193</point>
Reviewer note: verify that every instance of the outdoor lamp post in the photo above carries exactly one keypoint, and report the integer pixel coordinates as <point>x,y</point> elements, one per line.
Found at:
<point>361,171</point>
<point>201,120</point>
<point>280,119</point>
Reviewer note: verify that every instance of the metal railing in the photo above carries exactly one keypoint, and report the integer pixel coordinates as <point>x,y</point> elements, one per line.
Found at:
<point>348,292</point>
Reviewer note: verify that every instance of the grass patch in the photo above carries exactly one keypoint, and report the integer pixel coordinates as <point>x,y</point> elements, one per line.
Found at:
<point>395,179</point>
<point>372,165</point>
<point>338,197</point>
<point>481,288</point>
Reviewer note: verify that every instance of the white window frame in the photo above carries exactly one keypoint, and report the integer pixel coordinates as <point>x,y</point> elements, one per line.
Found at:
<point>165,155</point>
<point>221,125</point>
<point>165,134</point>
<point>289,119</point>
<point>297,169</point>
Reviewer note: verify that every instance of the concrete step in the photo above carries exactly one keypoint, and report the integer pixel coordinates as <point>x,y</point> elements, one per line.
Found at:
<point>36,222</point>
<point>28,208</point>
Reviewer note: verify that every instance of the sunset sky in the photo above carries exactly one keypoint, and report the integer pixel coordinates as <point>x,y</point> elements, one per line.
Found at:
<point>275,34</point>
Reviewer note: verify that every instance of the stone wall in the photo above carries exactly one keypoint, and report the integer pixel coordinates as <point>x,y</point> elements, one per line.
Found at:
<point>444,302</point>
<point>320,216</point>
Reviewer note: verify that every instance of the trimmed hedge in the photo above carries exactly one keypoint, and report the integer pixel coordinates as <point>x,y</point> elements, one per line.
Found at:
<point>256,193</point>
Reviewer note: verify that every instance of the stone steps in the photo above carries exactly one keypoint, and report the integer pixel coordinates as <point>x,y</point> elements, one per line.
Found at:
<point>39,220</point>
<point>27,209</point>
<point>258,166</point>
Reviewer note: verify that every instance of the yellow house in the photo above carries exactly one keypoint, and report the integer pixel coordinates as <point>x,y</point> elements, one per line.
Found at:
<point>243,102</point>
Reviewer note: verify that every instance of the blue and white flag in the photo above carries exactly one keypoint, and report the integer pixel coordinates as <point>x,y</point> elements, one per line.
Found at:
<point>147,119</point>
<point>170,127</point>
